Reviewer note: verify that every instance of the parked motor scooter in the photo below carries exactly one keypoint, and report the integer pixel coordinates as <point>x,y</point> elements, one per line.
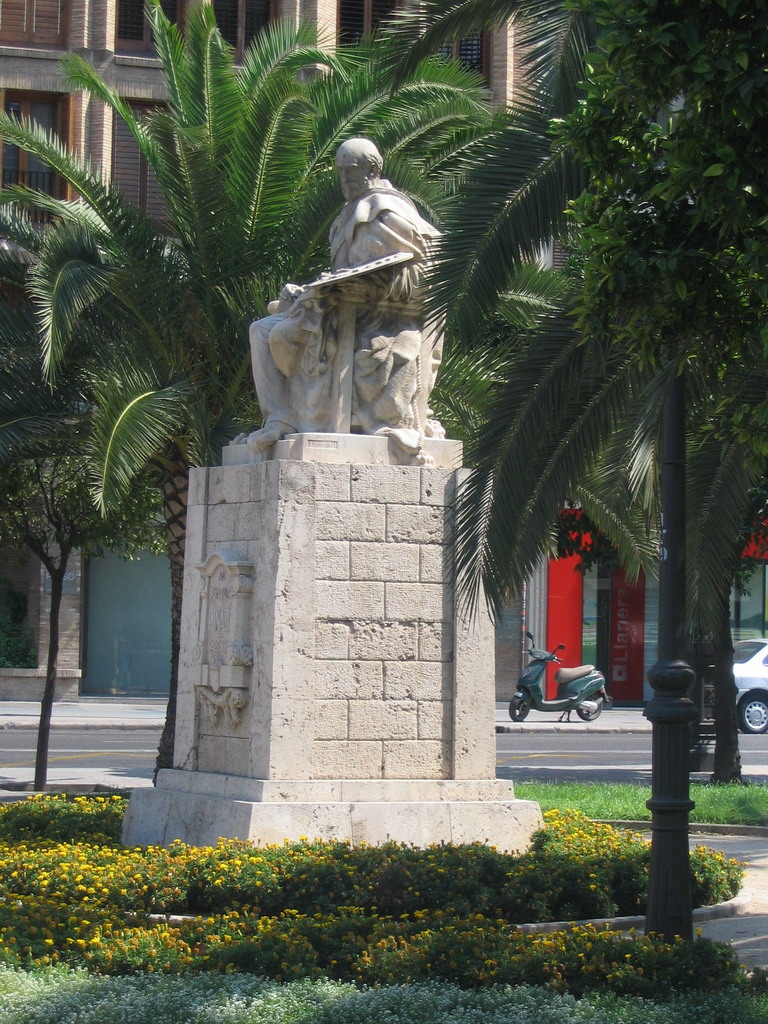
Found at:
<point>579,689</point>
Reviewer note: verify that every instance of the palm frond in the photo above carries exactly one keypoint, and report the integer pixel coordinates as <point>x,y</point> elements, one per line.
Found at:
<point>69,276</point>
<point>132,422</point>
<point>545,428</point>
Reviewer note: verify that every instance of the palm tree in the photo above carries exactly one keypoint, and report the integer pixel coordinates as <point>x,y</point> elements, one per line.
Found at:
<point>546,436</point>
<point>243,160</point>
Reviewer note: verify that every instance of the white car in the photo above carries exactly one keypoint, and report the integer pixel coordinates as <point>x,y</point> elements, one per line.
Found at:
<point>750,670</point>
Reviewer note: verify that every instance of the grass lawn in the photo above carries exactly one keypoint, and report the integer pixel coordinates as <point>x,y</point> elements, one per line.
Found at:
<point>618,801</point>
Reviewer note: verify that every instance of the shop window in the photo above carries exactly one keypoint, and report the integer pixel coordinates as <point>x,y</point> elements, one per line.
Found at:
<point>128,633</point>
<point>33,21</point>
<point>131,172</point>
<point>21,168</point>
<point>358,19</point>
<point>133,31</point>
<point>240,20</point>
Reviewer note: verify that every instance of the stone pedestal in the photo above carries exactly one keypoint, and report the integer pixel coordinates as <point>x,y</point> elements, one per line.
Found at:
<point>328,687</point>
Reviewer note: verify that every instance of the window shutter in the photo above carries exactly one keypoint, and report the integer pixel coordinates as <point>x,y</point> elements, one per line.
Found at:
<point>33,21</point>
<point>47,21</point>
<point>131,173</point>
<point>126,162</point>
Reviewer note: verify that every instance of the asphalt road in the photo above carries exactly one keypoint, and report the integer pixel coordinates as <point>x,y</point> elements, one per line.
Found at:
<point>128,755</point>
<point>619,757</point>
<point>125,754</point>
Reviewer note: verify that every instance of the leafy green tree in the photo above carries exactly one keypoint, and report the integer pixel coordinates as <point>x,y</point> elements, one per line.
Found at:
<point>46,501</point>
<point>243,157</point>
<point>674,225</point>
<point>46,506</point>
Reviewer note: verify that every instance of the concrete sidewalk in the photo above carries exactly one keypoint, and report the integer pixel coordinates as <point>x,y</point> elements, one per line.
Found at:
<point>107,713</point>
<point>612,720</point>
<point>93,712</point>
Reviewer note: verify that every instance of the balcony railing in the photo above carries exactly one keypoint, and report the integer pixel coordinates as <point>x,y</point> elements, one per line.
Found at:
<point>41,181</point>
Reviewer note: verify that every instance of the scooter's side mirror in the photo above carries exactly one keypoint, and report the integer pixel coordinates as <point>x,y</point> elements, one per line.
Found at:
<point>530,637</point>
<point>560,647</point>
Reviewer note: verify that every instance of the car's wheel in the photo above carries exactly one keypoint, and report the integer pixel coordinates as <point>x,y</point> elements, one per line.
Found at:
<point>589,716</point>
<point>753,714</point>
<point>519,708</point>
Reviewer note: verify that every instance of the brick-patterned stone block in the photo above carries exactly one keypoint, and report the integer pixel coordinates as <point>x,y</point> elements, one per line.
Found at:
<point>435,719</point>
<point>345,600</point>
<point>392,641</point>
<point>435,641</point>
<point>416,524</point>
<point>349,521</point>
<point>346,759</point>
<point>416,759</point>
<point>407,602</point>
<point>332,640</point>
<point>332,560</point>
<point>381,561</point>
<point>400,484</point>
<point>361,680</point>
<point>332,482</point>
<point>437,486</point>
<point>418,680</point>
<point>382,719</point>
<point>331,719</point>
<point>434,563</point>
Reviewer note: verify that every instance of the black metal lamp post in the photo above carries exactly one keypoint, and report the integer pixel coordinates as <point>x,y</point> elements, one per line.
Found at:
<point>670,712</point>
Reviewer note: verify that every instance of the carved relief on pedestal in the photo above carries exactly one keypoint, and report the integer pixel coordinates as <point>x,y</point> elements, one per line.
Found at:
<point>223,647</point>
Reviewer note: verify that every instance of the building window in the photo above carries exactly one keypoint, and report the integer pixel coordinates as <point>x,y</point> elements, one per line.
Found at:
<point>131,172</point>
<point>133,31</point>
<point>240,20</point>
<point>471,51</point>
<point>21,168</point>
<point>358,18</point>
<point>33,21</point>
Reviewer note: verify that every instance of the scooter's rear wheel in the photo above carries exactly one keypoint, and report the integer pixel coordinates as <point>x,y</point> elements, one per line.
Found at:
<point>589,716</point>
<point>519,708</point>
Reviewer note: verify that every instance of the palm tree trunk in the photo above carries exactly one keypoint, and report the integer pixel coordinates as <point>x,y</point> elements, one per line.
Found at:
<point>727,766</point>
<point>175,488</point>
<point>56,572</point>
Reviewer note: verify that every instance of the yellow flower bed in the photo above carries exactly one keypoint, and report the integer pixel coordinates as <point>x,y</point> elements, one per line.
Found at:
<point>371,914</point>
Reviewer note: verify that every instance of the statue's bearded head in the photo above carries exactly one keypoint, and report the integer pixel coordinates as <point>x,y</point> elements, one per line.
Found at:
<point>359,164</point>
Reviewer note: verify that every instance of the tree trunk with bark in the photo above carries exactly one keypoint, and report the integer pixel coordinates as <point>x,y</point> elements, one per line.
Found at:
<point>175,488</point>
<point>727,767</point>
<point>56,572</point>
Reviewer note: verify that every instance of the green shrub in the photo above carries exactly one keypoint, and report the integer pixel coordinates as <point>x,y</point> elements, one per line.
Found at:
<point>353,946</point>
<point>92,819</point>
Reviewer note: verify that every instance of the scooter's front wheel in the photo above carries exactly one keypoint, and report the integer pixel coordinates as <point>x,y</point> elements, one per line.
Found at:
<point>589,716</point>
<point>519,708</point>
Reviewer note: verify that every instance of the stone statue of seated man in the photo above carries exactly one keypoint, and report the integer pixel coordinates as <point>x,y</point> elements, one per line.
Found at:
<point>359,327</point>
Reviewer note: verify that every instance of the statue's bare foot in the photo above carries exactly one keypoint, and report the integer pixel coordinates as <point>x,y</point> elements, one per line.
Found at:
<point>434,428</point>
<point>273,431</point>
<point>240,439</point>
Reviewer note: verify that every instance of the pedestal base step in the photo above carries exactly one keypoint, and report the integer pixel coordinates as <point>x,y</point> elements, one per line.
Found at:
<point>199,813</point>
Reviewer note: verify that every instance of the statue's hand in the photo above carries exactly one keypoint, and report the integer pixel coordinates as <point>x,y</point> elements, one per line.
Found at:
<point>290,292</point>
<point>288,295</point>
<point>380,349</point>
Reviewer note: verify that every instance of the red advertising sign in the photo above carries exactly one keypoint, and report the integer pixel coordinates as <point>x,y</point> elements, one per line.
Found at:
<point>625,681</point>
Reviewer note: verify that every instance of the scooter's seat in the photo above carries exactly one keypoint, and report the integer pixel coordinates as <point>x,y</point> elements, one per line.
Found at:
<point>568,675</point>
